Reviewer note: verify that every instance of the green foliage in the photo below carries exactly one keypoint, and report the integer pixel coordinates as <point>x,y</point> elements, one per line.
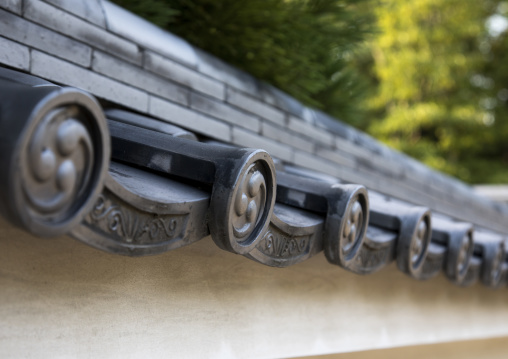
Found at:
<point>303,47</point>
<point>158,12</point>
<point>432,101</point>
<point>493,78</point>
<point>430,81</point>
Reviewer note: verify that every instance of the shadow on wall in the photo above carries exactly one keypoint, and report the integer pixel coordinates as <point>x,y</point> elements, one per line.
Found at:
<point>67,297</point>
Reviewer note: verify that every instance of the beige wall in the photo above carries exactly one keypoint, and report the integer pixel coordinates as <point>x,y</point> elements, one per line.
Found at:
<point>60,298</point>
<point>476,349</point>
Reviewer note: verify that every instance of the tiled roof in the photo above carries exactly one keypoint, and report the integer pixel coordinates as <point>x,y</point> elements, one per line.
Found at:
<point>199,147</point>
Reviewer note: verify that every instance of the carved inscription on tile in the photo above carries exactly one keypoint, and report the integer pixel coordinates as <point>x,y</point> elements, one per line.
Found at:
<point>280,245</point>
<point>123,222</point>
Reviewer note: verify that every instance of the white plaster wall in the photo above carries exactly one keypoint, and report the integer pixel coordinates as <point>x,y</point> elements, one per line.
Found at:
<point>60,298</point>
<point>475,349</point>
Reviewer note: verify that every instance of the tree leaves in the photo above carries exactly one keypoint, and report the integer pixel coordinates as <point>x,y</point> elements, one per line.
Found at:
<point>425,76</point>
<point>435,95</point>
<point>299,46</point>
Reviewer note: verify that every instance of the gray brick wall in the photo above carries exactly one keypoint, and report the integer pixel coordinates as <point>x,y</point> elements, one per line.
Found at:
<point>188,118</point>
<point>103,49</point>
<point>224,112</point>
<point>62,72</point>
<point>26,32</point>
<point>12,5</point>
<point>136,77</point>
<point>81,30</point>
<point>90,10</point>
<point>251,139</point>
<point>255,106</point>
<point>184,76</point>
<point>14,54</point>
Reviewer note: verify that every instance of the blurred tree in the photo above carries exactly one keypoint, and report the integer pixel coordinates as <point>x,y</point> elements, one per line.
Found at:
<point>493,77</point>
<point>303,47</point>
<point>435,100</point>
<point>430,81</point>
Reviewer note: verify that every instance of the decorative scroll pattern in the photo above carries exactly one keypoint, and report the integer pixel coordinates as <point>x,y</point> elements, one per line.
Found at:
<point>63,155</point>
<point>353,226</point>
<point>417,244</point>
<point>60,159</point>
<point>133,226</point>
<point>278,245</point>
<point>463,257</point>
<point>249,202</point>
<point>497,265</point>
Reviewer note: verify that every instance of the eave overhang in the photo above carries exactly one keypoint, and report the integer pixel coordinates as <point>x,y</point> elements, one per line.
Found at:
<point>164,189</point>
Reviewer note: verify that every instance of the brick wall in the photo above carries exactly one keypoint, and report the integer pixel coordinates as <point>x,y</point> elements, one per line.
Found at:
<point>101,48</point>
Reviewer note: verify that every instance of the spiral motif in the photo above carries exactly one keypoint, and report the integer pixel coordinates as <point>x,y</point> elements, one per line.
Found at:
<point>418,242</point>
<point>353,226</point>
<point>249,202</point>
<point>269,242</point>
<point>60,159</point>
<point>497,265</point>
<point>463,256</point>
<point>283,246</point>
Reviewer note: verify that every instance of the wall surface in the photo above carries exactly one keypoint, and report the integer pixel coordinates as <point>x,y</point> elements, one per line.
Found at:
<point>489,348</point>
<point>61,299</point>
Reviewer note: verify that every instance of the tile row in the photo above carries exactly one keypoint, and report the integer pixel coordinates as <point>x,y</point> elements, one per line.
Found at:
<point>132,185</point>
